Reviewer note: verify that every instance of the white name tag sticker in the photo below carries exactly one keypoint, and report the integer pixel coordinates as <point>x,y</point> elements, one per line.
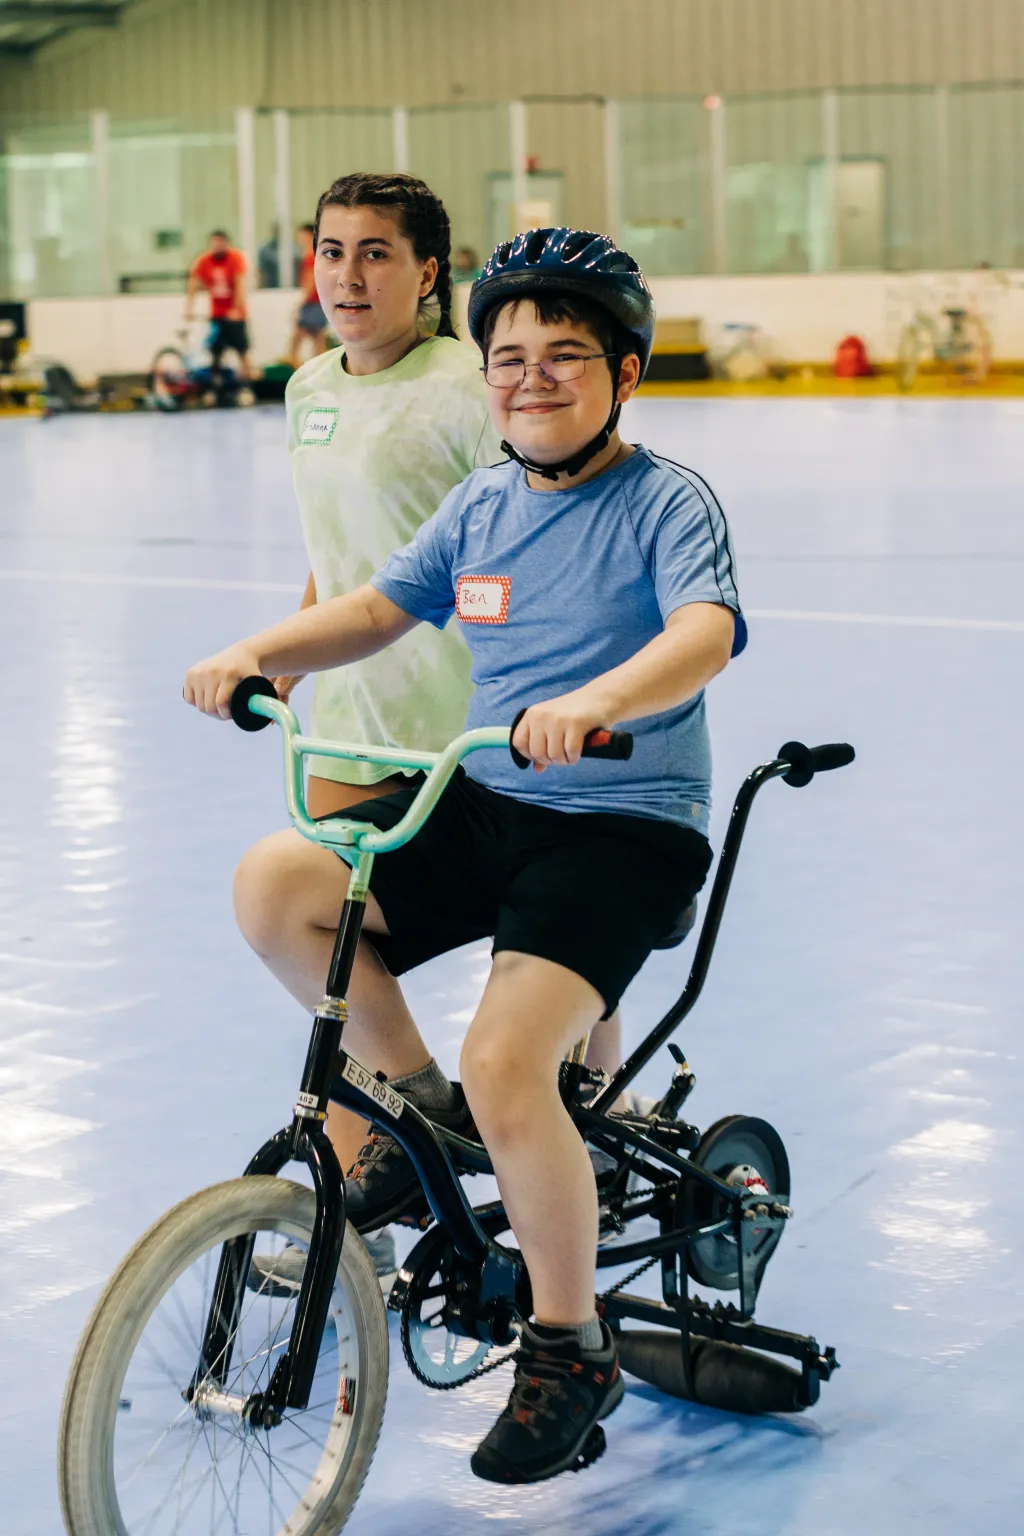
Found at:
<point>389,1101</point>
<point>482,599</point>
<point>318,427</point>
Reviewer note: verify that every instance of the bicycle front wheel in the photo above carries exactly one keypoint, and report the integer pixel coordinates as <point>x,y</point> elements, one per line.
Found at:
<point>139,1455</point>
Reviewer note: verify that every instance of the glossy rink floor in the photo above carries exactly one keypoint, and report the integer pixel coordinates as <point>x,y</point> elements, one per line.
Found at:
<point>865,997</point>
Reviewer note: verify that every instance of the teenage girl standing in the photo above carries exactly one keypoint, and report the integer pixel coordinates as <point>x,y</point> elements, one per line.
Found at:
<point>379,431</point>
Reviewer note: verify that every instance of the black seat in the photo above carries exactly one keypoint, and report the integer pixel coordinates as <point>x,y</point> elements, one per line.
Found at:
<point>682,926</point>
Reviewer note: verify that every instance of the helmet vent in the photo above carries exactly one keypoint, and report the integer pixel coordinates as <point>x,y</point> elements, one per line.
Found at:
<point>579,241</point>
<point>536,245</point>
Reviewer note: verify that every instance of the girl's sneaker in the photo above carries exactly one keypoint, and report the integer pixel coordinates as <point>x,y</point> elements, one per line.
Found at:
<point>280,1274</point>
<point>551,1422</point>
<point>381,1248</point>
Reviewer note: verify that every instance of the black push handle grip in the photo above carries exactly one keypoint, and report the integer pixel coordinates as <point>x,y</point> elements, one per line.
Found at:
<point>241,714</point>
<point>835,754</point>
<point>617,745</point>
<point>805,762</point>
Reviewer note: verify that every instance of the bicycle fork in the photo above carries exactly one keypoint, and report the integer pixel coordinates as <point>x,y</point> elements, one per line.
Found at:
<point>305,1141</point>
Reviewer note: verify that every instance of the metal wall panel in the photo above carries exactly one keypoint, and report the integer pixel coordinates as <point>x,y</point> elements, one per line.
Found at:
<point>174,57</point>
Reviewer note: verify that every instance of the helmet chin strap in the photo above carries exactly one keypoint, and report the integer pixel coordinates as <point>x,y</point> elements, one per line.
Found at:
<point>575,464</point>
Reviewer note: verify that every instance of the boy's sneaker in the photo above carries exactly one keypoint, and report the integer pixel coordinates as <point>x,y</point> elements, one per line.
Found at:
<point>280,1274</point>
<point>382,1185</point>
<point>551,1422</point>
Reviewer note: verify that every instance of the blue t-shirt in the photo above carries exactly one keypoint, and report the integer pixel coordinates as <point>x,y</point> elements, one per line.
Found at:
<point>554,588</point>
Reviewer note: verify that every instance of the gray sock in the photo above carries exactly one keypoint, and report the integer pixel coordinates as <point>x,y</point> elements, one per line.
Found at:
<point>589,1336</point>
<point>428,1088</point>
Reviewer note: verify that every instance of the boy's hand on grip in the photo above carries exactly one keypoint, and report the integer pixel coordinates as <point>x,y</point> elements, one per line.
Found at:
<point>554,732</point>
<point>210,684</point>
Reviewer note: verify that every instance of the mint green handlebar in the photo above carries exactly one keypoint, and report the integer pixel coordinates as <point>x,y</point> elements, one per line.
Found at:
<point>351,838</point>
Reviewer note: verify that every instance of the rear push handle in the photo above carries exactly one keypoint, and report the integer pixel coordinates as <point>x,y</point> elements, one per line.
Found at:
<point>805,762</point>
<point>611,744</point>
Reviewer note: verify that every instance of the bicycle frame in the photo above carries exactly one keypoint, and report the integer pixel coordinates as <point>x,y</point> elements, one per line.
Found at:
<point>438,1155</point>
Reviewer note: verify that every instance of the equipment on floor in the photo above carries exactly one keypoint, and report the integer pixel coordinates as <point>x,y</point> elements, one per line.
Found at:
<point>679,352</point>
<point>186,376</point>
<point>745,354</point>
<point>956,340</point>
<point>851,359</point>
<point>295,1378</point>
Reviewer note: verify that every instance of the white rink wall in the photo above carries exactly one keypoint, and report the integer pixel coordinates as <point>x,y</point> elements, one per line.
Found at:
<point>123,333</point>
<point>806,315</point>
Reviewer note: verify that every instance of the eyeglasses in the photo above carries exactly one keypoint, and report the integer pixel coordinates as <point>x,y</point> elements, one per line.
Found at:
<point>557,370</point>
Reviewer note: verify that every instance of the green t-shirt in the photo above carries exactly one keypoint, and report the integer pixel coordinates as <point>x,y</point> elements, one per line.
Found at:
<point>372,458</point>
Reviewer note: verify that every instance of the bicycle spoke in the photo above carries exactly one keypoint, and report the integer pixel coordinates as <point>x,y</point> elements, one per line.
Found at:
<point>159,1442</point>
<point>259,1472</point>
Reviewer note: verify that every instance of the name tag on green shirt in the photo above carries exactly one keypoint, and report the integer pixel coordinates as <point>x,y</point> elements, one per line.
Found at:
<point>318,427</point>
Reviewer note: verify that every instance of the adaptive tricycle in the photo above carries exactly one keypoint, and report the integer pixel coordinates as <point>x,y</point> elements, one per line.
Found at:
<point>202,1401</point>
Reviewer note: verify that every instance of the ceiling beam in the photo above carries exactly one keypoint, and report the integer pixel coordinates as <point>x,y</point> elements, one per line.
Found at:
<point>49,12</point>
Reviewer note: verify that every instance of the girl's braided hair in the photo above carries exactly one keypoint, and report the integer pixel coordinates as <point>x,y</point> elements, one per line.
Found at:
<point>424,222</point>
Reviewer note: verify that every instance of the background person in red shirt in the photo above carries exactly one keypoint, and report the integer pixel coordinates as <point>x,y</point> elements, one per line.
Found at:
<point>221,271</point>
<point>310,320</point>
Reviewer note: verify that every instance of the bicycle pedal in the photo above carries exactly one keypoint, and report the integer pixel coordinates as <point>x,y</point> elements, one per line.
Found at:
<point>594,1447</point>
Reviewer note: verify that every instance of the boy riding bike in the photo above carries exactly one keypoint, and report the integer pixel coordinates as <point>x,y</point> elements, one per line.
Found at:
<point>595,586</point>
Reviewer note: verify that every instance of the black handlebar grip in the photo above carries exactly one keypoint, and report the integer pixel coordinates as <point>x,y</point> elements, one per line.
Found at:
<point>836,754</point>
<point>612,744</point>
<point>241,714</point>
<point>598,743</point>
<point>805,762</point>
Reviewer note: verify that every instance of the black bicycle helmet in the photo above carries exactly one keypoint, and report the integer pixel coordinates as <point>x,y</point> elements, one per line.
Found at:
<point>570,261</point>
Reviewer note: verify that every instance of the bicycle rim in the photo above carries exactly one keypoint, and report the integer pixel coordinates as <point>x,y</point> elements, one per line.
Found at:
<point>153,1463</point>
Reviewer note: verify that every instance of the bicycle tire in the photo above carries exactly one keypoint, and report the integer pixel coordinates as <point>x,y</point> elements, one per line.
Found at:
<point>93,1399</point>
<point>168,399</point>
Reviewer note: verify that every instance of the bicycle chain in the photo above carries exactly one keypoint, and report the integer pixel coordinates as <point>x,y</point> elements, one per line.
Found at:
<point>429,1381</point>
<point>634,1274</point>
<point>405,1318</point>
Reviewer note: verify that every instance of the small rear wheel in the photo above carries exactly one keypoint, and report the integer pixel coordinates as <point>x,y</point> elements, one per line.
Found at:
<point>747,1153</point>
<point>136,1457</point>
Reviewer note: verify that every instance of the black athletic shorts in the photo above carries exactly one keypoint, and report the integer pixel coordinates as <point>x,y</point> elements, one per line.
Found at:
<point>594,892</point>
<point>229,336</point>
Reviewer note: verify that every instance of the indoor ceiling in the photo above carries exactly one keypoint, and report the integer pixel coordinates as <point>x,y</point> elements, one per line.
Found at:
<point>26,24</point>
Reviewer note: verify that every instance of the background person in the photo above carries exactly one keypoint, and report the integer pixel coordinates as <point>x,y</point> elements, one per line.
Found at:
<point>310,321</point>
<point>267,262</point>
<point>220,269</point>
<point>466,267</point>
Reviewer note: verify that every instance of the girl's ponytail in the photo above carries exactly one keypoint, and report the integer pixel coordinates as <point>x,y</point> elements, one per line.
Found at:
<point>442,292</point>
<point>424,221</point>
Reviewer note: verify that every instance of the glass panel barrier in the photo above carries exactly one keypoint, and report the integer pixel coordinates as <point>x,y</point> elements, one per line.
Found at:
<point>911,178</point>
<point>326,145</point>
<point>773,145</point>
<point>663,190</point>
<point>895,132</point>
<point>462,152</point>
<point>171,183</point>
<point>49,196</point>
<point>986,189</point>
